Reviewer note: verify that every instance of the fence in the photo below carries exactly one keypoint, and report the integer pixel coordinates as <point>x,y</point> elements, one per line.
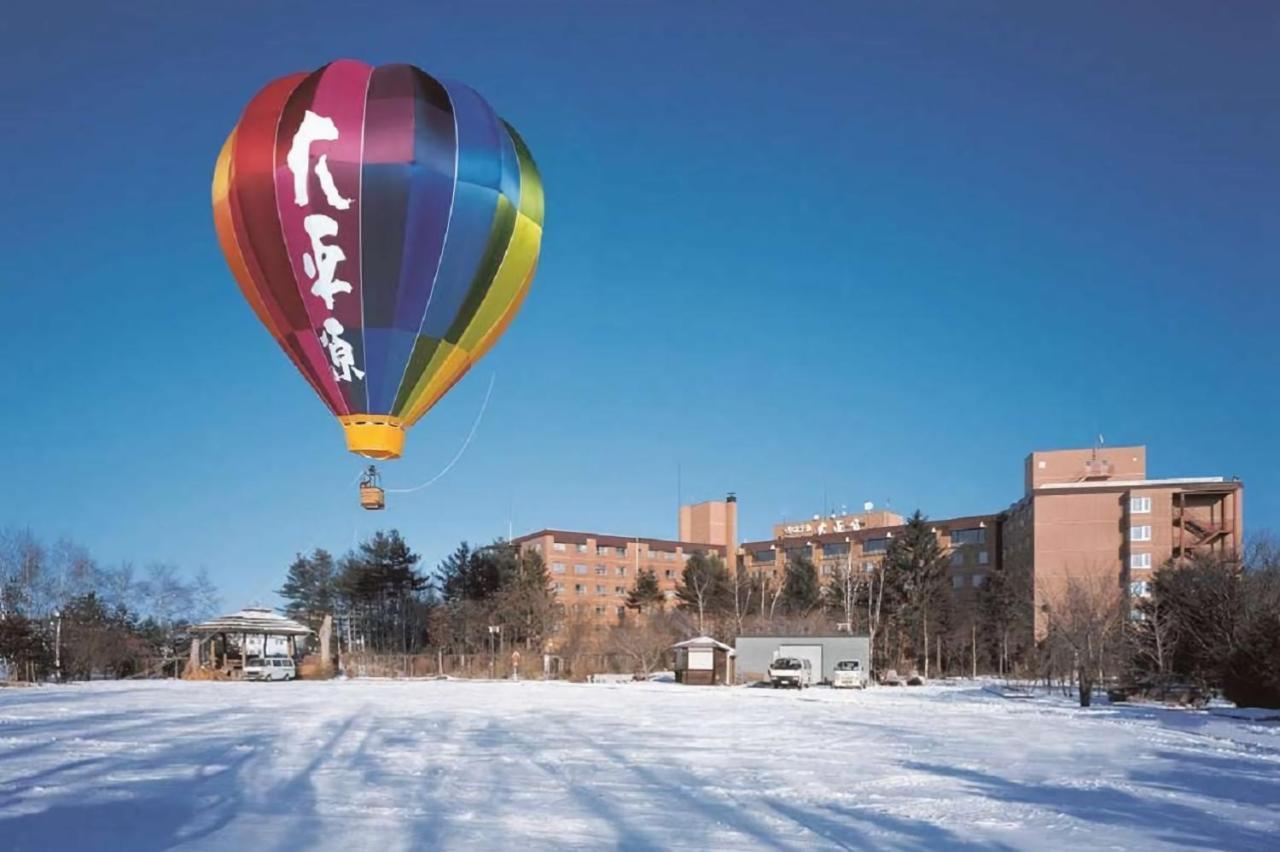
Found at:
<point>532,665</point>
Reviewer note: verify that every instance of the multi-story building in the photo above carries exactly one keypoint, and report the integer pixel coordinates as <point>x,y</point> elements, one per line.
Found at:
<point>1094,514</point>
<point>1085,513</point>
<point>972,544</point>
<point>713,522</point>
<point>593,572</point>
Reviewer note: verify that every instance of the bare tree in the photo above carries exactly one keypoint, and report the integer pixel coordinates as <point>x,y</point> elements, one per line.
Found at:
<point>1153,636</point>
<point>1084,620</point>
<point>645,643</point>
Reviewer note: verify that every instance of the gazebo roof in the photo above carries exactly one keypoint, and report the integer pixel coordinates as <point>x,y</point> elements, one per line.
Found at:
<point>703,642</point>
<point>253,619</point>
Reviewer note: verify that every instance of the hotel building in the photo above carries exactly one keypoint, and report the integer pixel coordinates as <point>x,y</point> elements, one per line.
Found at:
<point>1094,513</point>
<point>593,572</point>
<point>1089,512</point>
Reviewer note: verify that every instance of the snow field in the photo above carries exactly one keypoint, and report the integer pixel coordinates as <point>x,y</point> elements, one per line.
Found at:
<point>390,765</point>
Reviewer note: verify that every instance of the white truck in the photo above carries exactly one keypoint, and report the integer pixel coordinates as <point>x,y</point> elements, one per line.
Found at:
<point>791,671</point>
<point>848,674</point>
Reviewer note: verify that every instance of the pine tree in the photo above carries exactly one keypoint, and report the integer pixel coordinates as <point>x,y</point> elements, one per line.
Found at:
<point>309,588</point>
<point>916,569</point>
<point>801,590</point>
<point>1002,609</point>
<point>705,587</point>
<point>645,594</point>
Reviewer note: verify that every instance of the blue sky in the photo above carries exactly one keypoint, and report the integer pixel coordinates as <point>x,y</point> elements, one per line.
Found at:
<point>862,250</point>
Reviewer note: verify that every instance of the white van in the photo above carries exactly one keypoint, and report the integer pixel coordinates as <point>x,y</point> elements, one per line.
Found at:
<point>848,674</point>
<point>791,671</point>
<point>270,668</point>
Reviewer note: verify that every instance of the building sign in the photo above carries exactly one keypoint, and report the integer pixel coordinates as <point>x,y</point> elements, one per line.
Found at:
<point>819,526</point>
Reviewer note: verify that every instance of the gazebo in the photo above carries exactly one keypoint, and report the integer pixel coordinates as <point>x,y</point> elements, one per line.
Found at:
<point>250,626</point>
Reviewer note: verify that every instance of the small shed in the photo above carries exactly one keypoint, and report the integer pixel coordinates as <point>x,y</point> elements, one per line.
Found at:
<point>702,661</point>
<point>755,653</point>
<point>224,643</point>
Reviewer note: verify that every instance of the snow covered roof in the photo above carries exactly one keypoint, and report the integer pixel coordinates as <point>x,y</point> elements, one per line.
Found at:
<point>703,642</point>
<point>253,619</point>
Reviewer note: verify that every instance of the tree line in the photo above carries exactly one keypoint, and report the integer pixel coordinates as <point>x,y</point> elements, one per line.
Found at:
<point>63,613</point>
<point>383,602</point>
<point>1209,623</point>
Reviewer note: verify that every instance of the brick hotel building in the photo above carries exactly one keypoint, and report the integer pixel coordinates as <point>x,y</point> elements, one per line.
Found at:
<point>1090,511</point>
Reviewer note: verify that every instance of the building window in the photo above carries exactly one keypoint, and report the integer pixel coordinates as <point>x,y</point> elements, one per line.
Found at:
<point>535,547</point>
<point>762,556</point>
<point>599,610</point>
<point>601,570</point>
<point>868,567</point>
<point>875,545</point>
<point>1139,505</point>
<point>622,611</point>
<point>830,551</point>
<point>580,570</point>
<point>579,589</point>
<point>559,587</point>
<point>983,557</point>
<point>957,581</point>
<point>1140,560</point>
<point>957,557</point>
<point>601,550</point>
<point>979,580</point>
<point>1139,589</point>
<point>557,568</point>
<point>622,571</point>
<point>558,546</point>
<point>668,573</point>
<point>619,590</point>
<point>1141,533</point>
<point>600,590</point>
<point>973,535</point>
<point>582,548</point>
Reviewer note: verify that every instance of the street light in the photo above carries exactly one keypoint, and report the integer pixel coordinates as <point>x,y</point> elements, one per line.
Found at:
<point>495,630</point>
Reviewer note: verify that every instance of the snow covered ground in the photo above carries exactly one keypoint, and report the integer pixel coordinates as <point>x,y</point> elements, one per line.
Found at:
<point>389,765</point>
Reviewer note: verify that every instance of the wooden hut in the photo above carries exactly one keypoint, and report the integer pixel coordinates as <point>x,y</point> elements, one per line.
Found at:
<point>224,643</point>
<point>702,661</point>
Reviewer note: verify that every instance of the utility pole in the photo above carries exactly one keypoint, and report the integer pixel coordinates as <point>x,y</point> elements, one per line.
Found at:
<point>57,646</point>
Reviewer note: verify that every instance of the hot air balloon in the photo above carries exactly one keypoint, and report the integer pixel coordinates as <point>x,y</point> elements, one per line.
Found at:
<point>385,227</point>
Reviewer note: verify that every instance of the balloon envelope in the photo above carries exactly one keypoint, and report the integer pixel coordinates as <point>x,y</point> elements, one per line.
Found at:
<point>385,227</point>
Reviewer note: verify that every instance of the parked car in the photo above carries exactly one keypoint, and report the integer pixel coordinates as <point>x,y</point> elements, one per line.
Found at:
<point>848,674</point>
<point>791,671</point>
<point>270,668</point>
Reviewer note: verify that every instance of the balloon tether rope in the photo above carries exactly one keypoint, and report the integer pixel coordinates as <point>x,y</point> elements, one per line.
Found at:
<point>474,426</point>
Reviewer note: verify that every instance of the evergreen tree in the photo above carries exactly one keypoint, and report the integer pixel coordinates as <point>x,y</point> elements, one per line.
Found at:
<point>309,588</point>
<point>1002,610</point>
<point>801,590</point>
<point>916,569</point>
<point>382,593</point>
<point>526,603</point>
<point>705,587</point>
<point>645,594</point>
